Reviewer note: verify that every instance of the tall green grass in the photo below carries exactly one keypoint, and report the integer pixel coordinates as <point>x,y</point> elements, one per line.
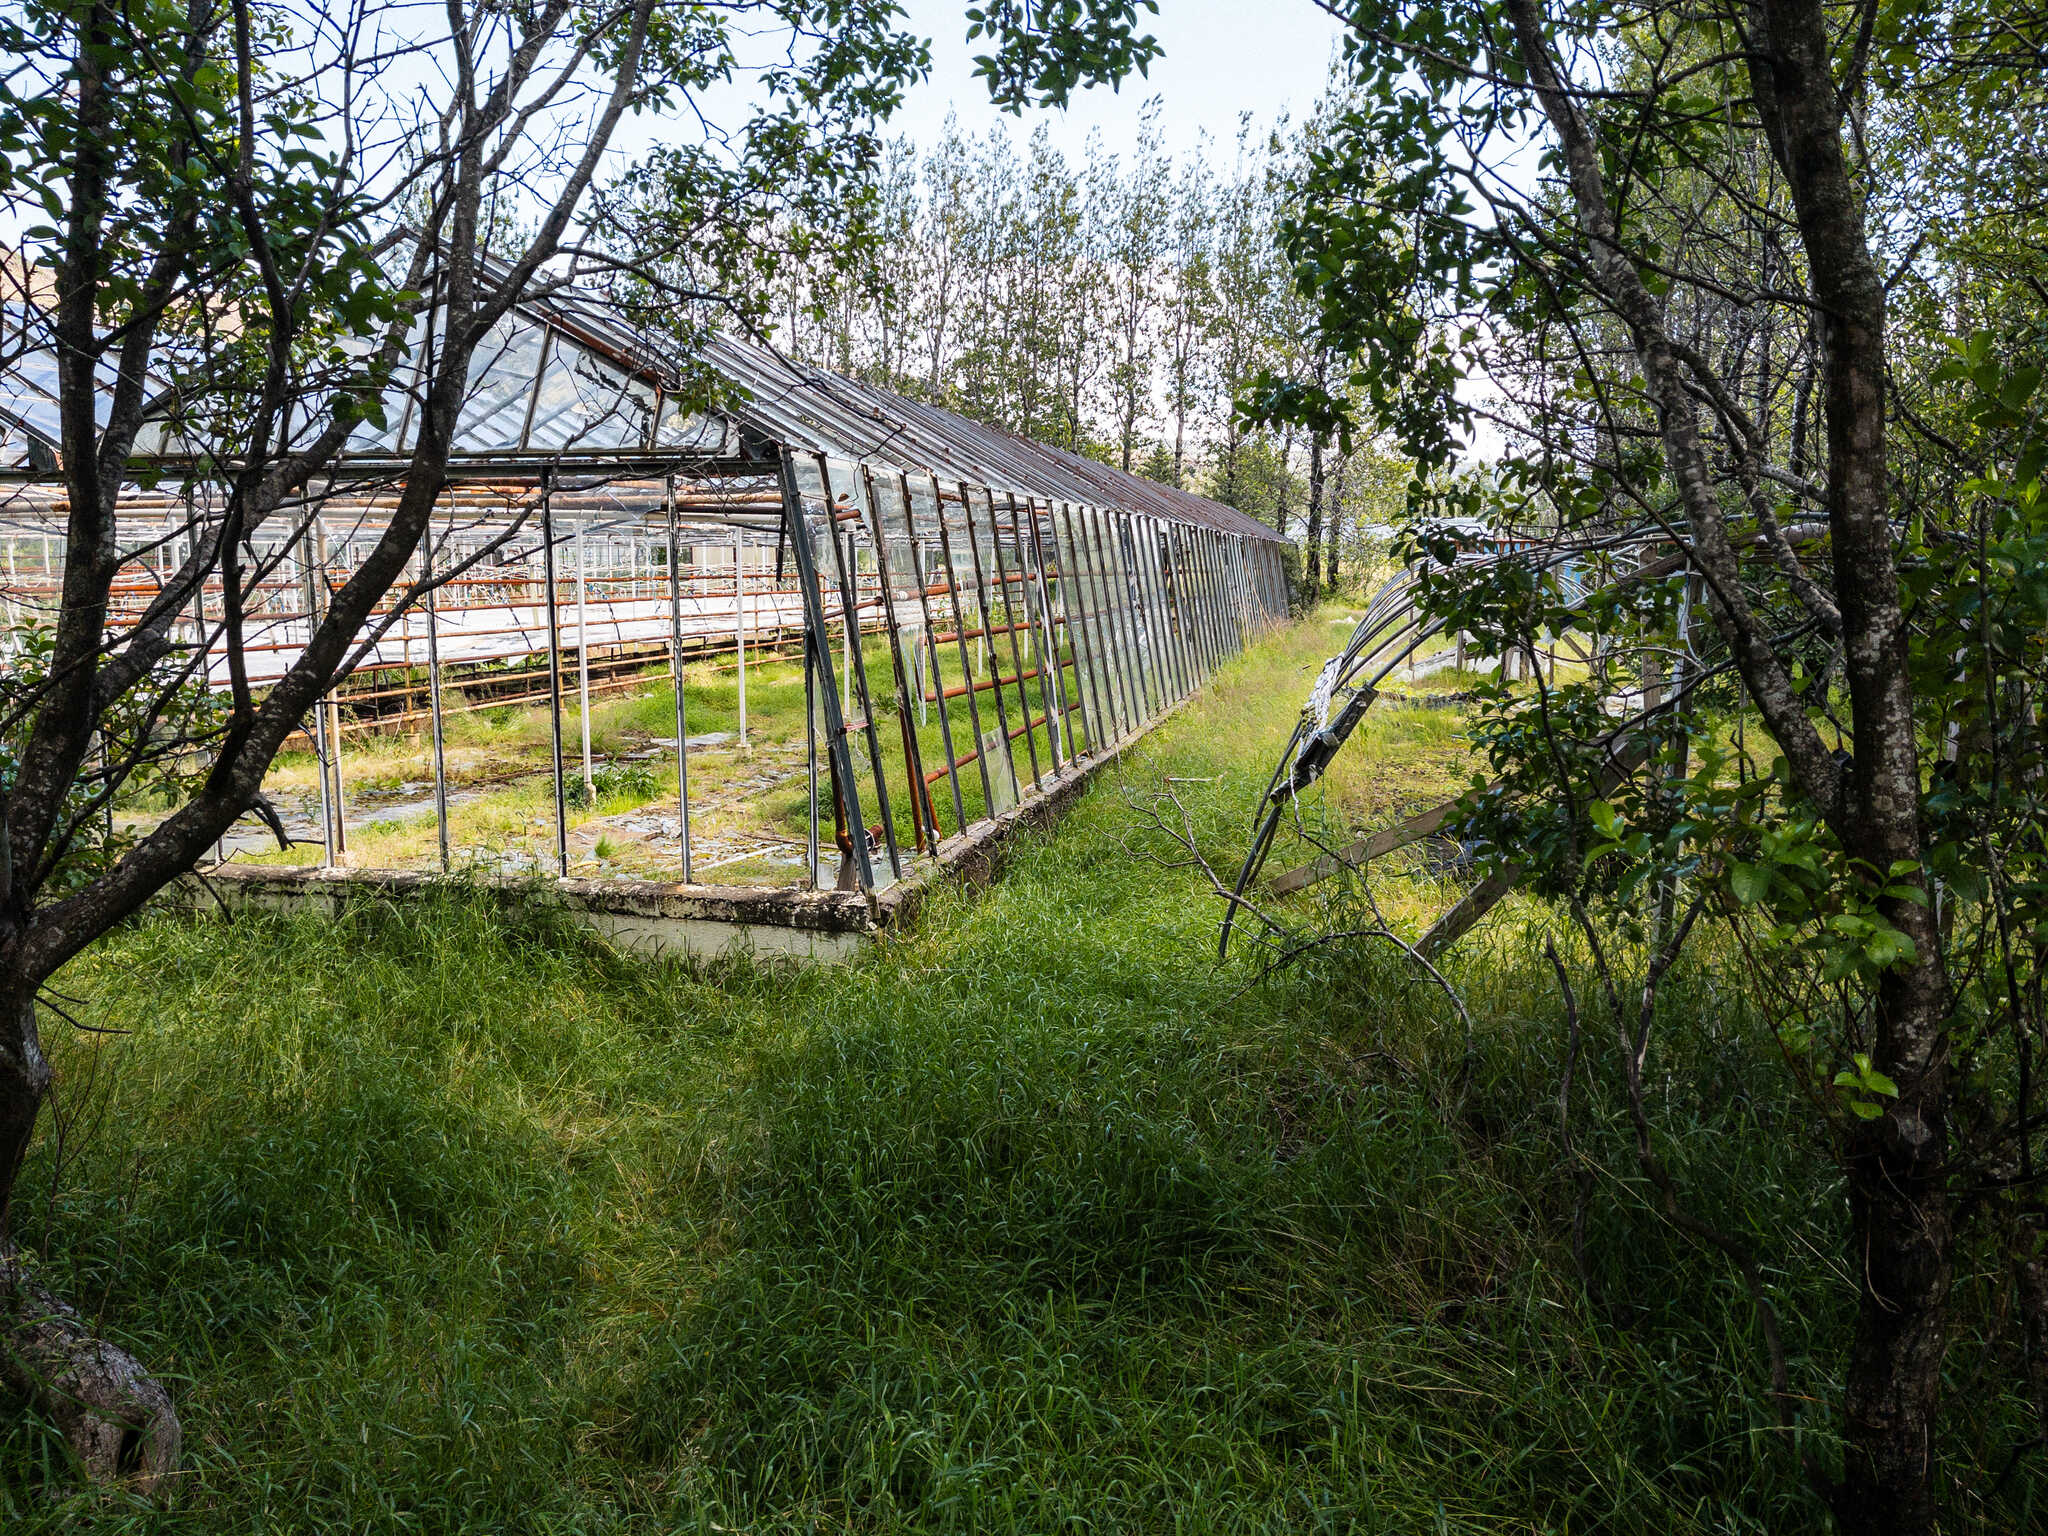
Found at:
<point>441,1218</point>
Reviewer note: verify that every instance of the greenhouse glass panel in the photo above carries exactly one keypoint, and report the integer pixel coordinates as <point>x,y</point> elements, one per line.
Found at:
<point>585,403</point>
<point>501,379</point>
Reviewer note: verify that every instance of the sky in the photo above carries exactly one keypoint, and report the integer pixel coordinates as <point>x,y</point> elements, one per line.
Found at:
<point>1223,58</point>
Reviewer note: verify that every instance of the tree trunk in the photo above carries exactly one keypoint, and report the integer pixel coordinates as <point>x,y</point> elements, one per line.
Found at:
<point>24,1082</point>
<point>1332,520</point>
<point>117,1419</point>
<point>1280,499</point>
<point>1315,517</point>
<point>1180,435</point>
<point>1897,1163</point>
<point>1898,1210</point>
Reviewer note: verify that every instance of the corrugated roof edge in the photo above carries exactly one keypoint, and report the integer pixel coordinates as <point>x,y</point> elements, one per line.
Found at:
<point>832,414</point>
<point>842,417</point>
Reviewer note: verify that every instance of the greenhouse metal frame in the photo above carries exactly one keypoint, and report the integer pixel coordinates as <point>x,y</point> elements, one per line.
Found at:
<point>1069,604</point>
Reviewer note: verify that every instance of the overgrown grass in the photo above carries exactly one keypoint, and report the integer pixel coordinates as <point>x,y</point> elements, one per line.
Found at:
<point>499,763</point>
<point>1035,1219</point>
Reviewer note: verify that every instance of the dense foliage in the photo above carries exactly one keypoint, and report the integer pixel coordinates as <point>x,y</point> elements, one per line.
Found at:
<point>1751,298</point>
<point>1122,307</point>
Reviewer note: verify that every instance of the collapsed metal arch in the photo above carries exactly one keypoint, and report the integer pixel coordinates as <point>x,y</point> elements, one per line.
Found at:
<point>1388,636</point>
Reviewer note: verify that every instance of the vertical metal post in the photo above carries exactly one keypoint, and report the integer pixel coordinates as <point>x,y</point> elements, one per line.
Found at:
<point>675,646</point>
<point>1212,601</point>
<point>811,749</point>
<point>1226,586</point>
<point>1187,567</point>
<point>583,660</point>
<point>1137,544</point>
<point>1143,595</point>
<point>1244,606</point>
<point>332,704</point>
<point>547,557</point>
<point>1162,584</point>
<point>849,599</point>
<point>849,610</point>
<point>1044,645</point>
<point>1144,643</point>
<point>1059,629</point>
<point>1167,556</point>
<point>199,636</point>
<point>1116,650</point>
<point>1087,626</point>
<point>440,749</point>
<point>1169,576</point>
<point>932,648</point>
<point>319,708</point>
<point>1233,633</point>
<point>1126,645</point>
<point>1072,641</point>
<point>923,639</point>
<point>988,792</point>
<point>1240,561</point>
<point>1134,613</point>
<point>204,643</point>
<point>739,627</point>
<point>1157,627</point>
<point>1233,612</point>
<point>1234,561</point>
<point>814,623</point>
<point>1226,605</point>
<point>1198,613</point>
<point>922,812</point>
<point>1074,580</point>
<point>988,652</point>
<point>1105,644</point>
<point>1155,554</point>
<point>1016,653</point>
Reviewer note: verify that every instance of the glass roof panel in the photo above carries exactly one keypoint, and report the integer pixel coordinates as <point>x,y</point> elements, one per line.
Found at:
<point>501,372</point>
<point>691,430</point>
<point>397,432</point>
<point>585,402</point>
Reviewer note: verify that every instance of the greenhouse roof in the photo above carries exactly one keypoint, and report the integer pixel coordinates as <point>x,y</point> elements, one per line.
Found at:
<point>563,383</point>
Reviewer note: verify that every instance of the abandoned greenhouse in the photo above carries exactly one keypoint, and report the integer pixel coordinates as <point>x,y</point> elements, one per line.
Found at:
<point>945,626</point>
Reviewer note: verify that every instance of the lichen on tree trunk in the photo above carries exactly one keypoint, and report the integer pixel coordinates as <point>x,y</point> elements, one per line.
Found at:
<point>116,1417</point>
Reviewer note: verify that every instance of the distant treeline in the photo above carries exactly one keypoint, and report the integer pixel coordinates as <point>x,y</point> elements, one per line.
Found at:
<point>1120,307</point>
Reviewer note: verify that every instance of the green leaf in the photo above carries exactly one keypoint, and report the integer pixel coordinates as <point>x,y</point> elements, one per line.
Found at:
<point>1750,882</point>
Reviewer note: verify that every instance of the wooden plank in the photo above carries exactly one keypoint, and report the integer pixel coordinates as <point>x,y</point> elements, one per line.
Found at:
<point>1454,924</point>
<point>1363,851</point>
<point>1457,922</point>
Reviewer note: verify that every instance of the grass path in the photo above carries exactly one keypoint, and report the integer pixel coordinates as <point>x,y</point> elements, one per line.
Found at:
<point>1033,1220</point>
